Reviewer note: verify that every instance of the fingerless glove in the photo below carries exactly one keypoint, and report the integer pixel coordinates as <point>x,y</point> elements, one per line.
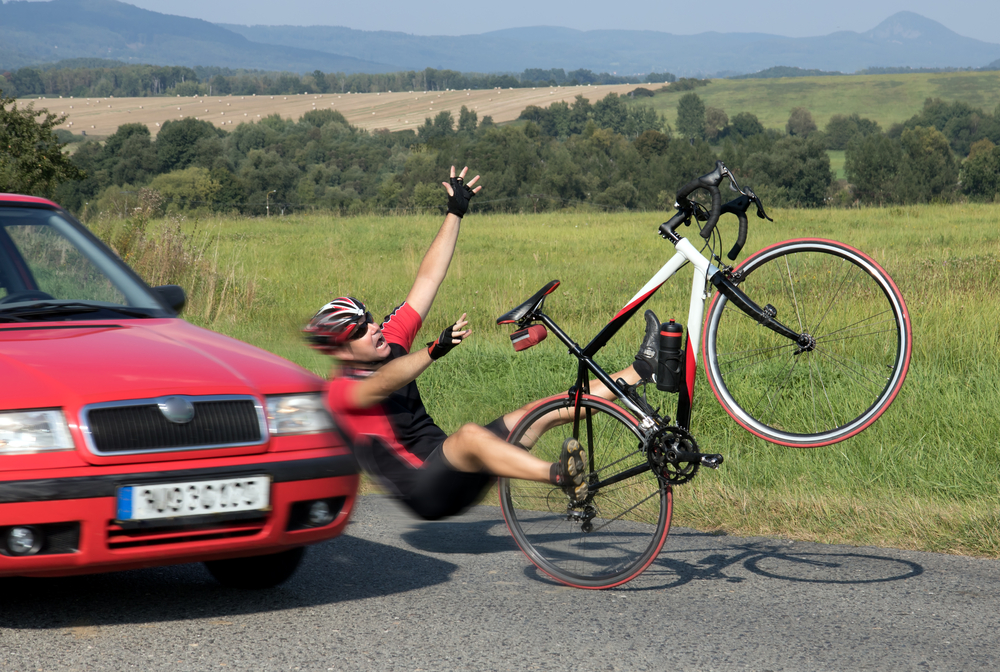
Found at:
<point>444,343</point>
<point>458,202</point>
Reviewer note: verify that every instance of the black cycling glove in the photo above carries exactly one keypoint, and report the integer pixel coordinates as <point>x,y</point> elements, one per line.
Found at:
<point>458,202</point>
<point>444,343</point>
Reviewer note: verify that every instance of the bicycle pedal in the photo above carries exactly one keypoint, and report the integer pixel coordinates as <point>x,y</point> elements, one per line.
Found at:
<point>711,461</point>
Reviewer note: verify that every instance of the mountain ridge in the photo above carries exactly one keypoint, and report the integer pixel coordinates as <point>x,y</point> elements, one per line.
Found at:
<point>903,39</point>
<point>108,28</point>
<point>40,32</point>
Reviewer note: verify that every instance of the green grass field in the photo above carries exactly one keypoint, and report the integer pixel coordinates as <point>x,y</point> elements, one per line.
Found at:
<point>887,99</point>
<point>925,476</point>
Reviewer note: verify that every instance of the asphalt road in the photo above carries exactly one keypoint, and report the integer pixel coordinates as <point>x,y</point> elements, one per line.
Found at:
<point>394,593</point>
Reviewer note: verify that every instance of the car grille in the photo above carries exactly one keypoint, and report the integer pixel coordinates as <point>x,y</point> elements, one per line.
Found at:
<point>138,426</point>
<point>120,538</point>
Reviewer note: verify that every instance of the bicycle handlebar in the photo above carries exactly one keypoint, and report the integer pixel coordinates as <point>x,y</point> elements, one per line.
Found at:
<point>738,206</point>
<point>710,182</point>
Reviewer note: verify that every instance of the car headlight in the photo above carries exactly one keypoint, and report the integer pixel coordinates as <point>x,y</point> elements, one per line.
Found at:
<point>25,432</point>
<point>297,414</point>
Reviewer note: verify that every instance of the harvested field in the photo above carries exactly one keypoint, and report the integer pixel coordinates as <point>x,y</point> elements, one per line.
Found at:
<point>393,111</point>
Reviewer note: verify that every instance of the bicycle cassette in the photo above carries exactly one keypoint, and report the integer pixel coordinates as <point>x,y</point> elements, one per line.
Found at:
<point>673,455</point>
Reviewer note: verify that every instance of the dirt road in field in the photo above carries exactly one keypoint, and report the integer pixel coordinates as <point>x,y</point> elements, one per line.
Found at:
<point>394,111</point>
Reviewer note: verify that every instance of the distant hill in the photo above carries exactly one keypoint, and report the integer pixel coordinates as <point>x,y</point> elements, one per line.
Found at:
<point>904,39</point>
<point>41,32</point>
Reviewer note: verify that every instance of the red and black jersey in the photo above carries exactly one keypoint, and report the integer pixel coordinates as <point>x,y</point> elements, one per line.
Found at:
<point>406,434</point>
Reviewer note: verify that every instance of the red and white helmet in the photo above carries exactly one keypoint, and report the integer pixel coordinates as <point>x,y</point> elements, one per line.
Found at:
<point>337,322</point>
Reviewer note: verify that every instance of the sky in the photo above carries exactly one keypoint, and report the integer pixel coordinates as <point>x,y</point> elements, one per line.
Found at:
<point>979,19</point>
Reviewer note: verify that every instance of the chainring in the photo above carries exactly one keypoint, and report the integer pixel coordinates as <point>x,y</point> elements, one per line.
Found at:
<point>662,448</point>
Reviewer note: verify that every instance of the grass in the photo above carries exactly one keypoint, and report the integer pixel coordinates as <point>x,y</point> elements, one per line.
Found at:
<point>837,158</point>
<point>922,477</point>
<point>887,99</point>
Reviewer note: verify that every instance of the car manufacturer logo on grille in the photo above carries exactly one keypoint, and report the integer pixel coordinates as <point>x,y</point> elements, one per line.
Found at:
<point>177,410</point>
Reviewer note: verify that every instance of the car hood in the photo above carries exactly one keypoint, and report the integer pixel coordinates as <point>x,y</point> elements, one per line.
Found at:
<point>72,364</point>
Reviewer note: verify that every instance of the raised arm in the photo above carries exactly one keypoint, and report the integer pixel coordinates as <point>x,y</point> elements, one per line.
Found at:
<point>436,261</point>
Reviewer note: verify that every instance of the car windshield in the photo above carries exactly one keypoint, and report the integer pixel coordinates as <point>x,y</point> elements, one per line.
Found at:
<point>51,269</point>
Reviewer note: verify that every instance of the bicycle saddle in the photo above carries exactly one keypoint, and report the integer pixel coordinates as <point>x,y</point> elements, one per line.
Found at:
<point>529,306</point>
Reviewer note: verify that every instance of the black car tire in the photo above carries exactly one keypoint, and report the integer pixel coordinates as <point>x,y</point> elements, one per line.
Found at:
<point>258,571</point>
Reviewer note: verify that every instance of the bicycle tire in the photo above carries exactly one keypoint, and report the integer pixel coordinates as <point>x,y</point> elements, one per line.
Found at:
<point>858,318</point>
<point>631,517</point>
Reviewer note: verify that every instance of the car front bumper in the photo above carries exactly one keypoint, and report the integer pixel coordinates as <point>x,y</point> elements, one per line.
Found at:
<point>75,513</point>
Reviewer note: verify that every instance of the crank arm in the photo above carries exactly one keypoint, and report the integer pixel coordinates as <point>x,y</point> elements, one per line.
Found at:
<point>705,459</point>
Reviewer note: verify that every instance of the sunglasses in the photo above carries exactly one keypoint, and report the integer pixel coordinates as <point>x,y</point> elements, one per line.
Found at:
<point>361,328</point>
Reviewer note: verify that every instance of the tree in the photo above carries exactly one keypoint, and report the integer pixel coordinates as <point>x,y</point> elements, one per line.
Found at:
<point>175,144</point>
<point>715,120</point>
<point>871,164</point>
<point>467,120</point>
<point>746,125</point>
<point>929,171</point>
<point>611,112</point>
<point>442,126</point>
<point>652,143</point>
<point>31,158</point>
<point>221,86</point>
<point>691,117</point>
<point>800,123</point>
<point>981,171</point>
<point>792,171</point>
<point>841,129</point>
<point>186,189</point>
<point>321,83</point>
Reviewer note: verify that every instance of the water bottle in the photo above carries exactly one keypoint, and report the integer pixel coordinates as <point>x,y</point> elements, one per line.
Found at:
<point>668,369</point>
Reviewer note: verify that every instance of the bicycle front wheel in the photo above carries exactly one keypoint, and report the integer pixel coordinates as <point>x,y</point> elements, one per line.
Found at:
<point>620,528</point>
<point>820,395</point>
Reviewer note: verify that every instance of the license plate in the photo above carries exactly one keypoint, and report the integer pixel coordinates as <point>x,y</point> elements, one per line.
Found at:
<point>200,498</point>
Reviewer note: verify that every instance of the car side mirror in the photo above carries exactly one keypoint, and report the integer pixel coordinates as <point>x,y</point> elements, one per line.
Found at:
<point>173,296</point>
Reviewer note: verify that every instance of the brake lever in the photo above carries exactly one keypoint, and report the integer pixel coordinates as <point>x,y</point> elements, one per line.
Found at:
<point>760,206</point>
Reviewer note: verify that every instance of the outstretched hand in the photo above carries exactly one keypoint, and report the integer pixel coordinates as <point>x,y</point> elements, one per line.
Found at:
<point>450,338</point>
<point>460,193</point>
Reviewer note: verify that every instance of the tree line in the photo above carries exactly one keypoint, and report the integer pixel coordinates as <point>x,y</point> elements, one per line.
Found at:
<point>947,151</point>
<point>95,78</point>
<point>612,154</point>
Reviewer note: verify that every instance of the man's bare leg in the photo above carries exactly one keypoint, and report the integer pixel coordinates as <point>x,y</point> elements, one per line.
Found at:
<point>564,416</point>
<point>473,448</point>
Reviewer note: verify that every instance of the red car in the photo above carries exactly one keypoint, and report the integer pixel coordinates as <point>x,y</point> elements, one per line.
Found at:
<point>130,438</point>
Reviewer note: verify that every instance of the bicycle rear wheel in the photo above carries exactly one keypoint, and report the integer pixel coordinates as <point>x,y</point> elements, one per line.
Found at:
<point>620,528</point>
<point>816,397</point>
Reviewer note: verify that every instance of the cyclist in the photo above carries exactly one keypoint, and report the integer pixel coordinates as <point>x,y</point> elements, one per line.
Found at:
<point>374,396</point>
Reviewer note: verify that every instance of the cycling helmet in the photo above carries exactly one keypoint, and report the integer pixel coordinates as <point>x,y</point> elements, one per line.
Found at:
<point>342,320</point>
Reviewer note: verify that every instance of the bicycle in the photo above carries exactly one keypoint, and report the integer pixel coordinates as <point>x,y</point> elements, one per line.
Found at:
<point>821,382</point>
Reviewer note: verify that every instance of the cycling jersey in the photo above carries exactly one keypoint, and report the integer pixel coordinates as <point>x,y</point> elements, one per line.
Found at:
<point>398,442</point>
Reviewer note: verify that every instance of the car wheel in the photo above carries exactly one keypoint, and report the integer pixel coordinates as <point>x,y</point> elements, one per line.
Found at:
<point>256,572</point>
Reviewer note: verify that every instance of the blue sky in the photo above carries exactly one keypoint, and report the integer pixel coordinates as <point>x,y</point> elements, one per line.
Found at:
<point>979,19</point>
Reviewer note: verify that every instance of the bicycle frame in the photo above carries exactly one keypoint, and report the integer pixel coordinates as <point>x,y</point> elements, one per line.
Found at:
<point>704,272</point>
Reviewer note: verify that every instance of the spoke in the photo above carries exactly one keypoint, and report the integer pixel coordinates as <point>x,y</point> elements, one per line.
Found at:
<point>852,366</point>
<point>767,393</point>
<point>826,394</point>
<point>795,298</point>
<point>631,508</point>
<point>834,296</point>
<point>859,323</point>
<point>751,355</point>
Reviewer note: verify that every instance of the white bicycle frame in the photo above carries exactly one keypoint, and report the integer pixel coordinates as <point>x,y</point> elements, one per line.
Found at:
<point>703,270</point>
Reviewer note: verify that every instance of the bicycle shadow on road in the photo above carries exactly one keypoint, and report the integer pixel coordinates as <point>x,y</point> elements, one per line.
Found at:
<point>340,570</point>
<point>696,556</point>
